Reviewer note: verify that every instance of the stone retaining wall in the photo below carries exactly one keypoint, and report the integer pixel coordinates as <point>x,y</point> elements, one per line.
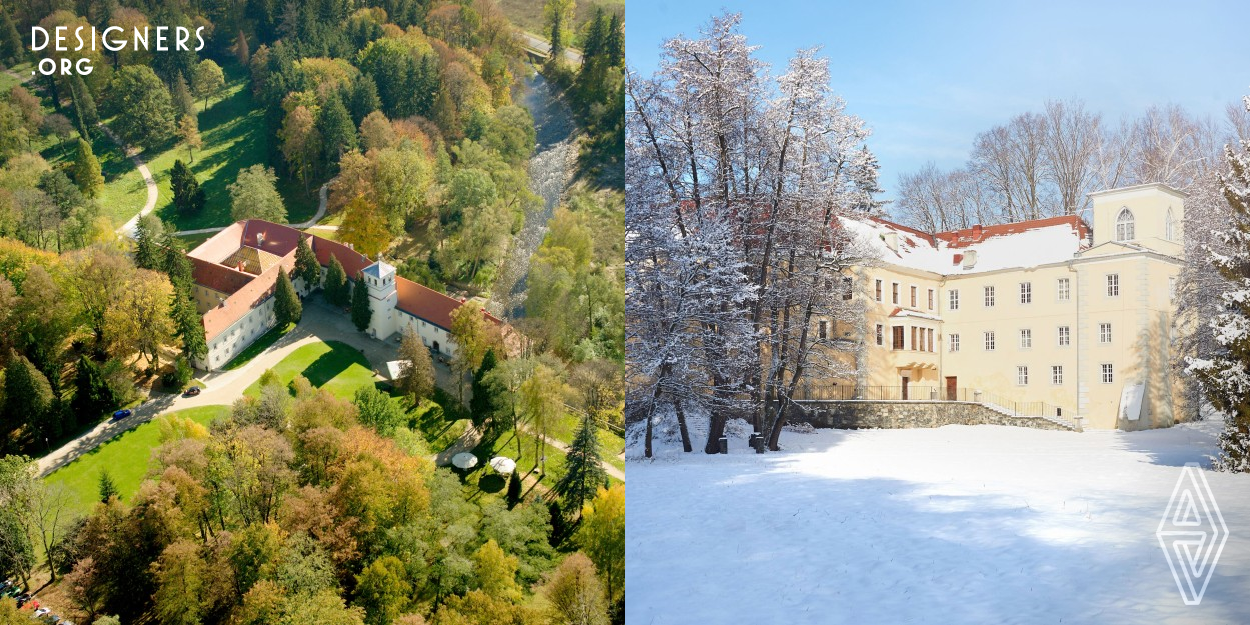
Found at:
<point>859,414</point>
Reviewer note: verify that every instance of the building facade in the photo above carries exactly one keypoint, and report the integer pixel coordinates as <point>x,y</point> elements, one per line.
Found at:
<point>1050,314</point>
<point>236,273</point>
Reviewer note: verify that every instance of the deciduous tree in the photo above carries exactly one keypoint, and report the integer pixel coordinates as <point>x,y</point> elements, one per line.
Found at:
<point>254,196</point>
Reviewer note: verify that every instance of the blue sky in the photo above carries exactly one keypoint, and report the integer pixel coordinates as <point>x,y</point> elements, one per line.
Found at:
<point>929,76</point>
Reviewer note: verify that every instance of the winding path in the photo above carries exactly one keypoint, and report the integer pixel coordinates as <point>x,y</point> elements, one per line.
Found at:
<point>128,228</point>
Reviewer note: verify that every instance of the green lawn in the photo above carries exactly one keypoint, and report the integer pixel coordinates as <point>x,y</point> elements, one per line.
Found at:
<point>233,132</point>
<point>127,457</point>
<point>610,445</point>
<point>193,241</point>
<point>334,366</point>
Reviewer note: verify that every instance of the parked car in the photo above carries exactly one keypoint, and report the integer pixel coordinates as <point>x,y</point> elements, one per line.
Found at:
<point>41,611</point>
<point>122,414</point>
<point>191,392</point>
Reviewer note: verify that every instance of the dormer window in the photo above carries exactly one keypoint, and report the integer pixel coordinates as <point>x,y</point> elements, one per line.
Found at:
<point>1169,226</point>
<point>1124,226</point>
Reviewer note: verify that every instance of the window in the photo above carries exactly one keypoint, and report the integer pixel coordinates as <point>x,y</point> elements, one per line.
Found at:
<point>1113,285</point>
<point>894,287</point>
<point>1124,228</point>
<point>1026,292</point>
<point>824,330</point>
<point>1104,333</point>
<point>1022,375</point>
<point>1108,373</point>
<point>1056,374</point>
<point>954,299</point>
<point>1026,338</point>
<point>914,344</point>
<point>879,290</point>
<point>931,349</point>
<point>989,341</point>
<point>989,296</point>
<point>1064,289</point>
<point>930,299</point>
<point>1065,336</point>
<point>953,342</point>
<point>898,336</point>
<point>848,288</point>
<point>913,297</point>
<point>880,334</point>
<point>1169,226</point>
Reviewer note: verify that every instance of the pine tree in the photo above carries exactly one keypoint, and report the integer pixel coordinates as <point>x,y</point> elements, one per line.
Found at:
<point>84,106</point>
<point>11,48</point>
<point>188,196</point>
<point>514,489</point>
<point>148,231</point>
<point>614,45</point>
<point>241,51</point>
<point>583,466</point>
<point>336,286</point>
<point>364,98</point>
<point>286,305</point>
<point>27,395</point>
<point>1226,377</point>
<point>184,102</point>
<point>188,325</point>
<point>338,133</point>
<point>306,266</point>
<point>482,404</point>
<point>558,525</point>
<point>92,397</point>
<point>361,313</point>
<point>107,488</point>
<point>87,170</point>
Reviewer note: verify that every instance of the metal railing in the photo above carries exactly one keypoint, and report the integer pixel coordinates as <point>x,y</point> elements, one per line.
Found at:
<point>916,392</point>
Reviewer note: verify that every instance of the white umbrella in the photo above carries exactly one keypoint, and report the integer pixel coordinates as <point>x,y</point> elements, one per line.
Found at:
<point>503,464</point>
<point>464,460</point>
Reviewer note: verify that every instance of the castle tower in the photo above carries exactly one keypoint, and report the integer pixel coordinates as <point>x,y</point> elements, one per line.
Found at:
<point>1146,215</point>
<point>380,279</point>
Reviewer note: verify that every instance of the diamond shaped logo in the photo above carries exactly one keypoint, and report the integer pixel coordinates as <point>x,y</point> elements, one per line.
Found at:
<point>1192,534</point>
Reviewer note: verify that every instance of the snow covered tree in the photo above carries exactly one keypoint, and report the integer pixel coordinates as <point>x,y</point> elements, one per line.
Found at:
<point>1226,376</point>
<point>737,183</point>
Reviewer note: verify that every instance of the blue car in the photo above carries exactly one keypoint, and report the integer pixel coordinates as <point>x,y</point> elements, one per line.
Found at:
<point>122,414</point>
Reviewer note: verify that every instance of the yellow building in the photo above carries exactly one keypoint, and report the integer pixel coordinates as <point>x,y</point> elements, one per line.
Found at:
<point>1047,317</point>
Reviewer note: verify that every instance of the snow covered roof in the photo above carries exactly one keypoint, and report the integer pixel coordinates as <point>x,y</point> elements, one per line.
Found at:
<point>977,249</point>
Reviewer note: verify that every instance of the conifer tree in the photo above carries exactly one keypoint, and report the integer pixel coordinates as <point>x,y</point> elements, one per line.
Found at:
<point>107,488</point>
<point>188,196</point>
<point>148,231</point>
<point>361,313</point>
<point>184,102</point>
<point>11,48</point>
<point>286,305</point>
<point>306,266</point>
<point>27,394</point>
<point>92,396</point>
<point>583,467</point>
<point>1226,378</point>
<point>338,133</point>
<point>336,286</point>
<point>482,404</point>
<point>87,170</point>
<point>514,489</point>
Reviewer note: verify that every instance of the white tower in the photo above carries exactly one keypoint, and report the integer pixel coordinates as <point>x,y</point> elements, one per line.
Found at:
<point>380,278</point>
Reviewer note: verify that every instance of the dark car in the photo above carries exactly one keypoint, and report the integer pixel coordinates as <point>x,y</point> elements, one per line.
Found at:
<point>191,392</point>
<point>122,414</point>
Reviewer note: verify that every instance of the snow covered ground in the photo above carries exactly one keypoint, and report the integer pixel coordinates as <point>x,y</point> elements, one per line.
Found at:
<point>959,524</point>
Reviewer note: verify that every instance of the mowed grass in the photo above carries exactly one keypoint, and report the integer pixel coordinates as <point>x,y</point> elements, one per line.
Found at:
<point>610,445</point>
<point>127,457</point>
<point>233,133</point>
<point>333,366</point>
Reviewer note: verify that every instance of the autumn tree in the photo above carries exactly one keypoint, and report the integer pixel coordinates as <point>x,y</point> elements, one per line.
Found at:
<point>141,324</point>
<point>180,583</point>
<point>301,143</point>
<point>542,402</point>
<point>189,135</point>
<point>416,378</point>
<point>364,227</point>
<point>602,537</point>
<point>207,80</point>
<point>575,594</point>
<point>382,590</point>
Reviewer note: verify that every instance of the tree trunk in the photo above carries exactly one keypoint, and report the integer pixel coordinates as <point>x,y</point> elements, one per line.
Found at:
<point>681,425</point>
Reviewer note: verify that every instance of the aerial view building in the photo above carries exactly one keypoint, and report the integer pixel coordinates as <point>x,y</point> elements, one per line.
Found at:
<point>236,271</point>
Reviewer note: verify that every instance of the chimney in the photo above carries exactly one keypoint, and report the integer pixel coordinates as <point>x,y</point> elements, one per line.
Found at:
<point>891,239</point>
<point>976,232</point>
<point>260,239</point>
<point>958,257</point>
<point>970,258</point>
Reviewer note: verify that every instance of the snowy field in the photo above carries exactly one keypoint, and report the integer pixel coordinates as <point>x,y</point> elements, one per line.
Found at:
<point>959,524</point>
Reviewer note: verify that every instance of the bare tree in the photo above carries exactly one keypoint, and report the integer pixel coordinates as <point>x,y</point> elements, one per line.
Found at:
<point>1072,141</point>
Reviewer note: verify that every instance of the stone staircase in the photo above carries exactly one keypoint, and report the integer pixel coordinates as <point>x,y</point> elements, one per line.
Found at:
<point>1060,421</point>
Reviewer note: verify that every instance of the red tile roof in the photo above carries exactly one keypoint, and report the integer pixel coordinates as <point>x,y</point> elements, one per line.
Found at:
<point>424,302</point>
<point>217,277</point>
<point>969,236</point>
<point>239,304</point>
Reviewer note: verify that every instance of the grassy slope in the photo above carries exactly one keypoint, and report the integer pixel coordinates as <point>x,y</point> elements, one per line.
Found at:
<point>232,130</point>
<point>127,458</point>
<point>334,366</point>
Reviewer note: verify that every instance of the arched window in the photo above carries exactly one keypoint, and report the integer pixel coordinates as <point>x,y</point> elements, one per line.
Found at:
<point>1169,226</point>
<point>1124,229</point>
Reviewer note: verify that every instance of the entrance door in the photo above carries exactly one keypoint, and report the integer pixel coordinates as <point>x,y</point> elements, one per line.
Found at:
<point>952,388</point>
<point>905,381</point>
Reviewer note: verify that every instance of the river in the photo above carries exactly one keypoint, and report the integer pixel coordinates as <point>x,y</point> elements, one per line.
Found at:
<point>550,169</point>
